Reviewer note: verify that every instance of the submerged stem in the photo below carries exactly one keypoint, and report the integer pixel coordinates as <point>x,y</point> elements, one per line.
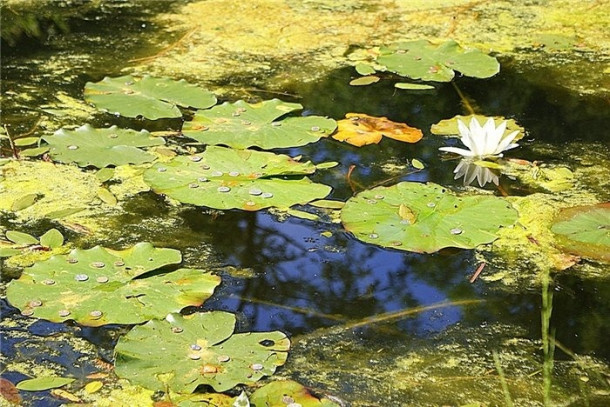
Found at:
<point>386,317</point>
<point>548,338</point>
<point>507,398</point>
<point>465,101</point>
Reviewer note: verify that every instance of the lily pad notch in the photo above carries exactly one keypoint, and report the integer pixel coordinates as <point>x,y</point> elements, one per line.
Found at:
<point>225,178</point>
<point>425,218</point>
<point>423,60</point>
<point>100,286</point>
<point>241,125</point>
<point>183,352</point>
<point>149,97</point>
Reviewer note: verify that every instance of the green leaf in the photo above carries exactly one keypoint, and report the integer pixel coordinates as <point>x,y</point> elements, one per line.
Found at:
<point>242,125</point>
<point>585,230</point>
<point>412,86</point>
<point>183,352</point>
<point>104,174</point>
<point>62,213</point>
<point>423,60</point>
<point>364,80</point>
<point>425,218</point>
<point>287,392</point>
<point>52,239</point>
<point>364,69</point>
<point>43,383</point>
<point>106,196</point>
<point>101,147</point>
<point>33,152</point>
<point>26,141</point>
<point>21,238</point>
<point>8,251</point>
<point>25,202</point>
<point>417,164</point>
<point>152,98</point>
<point>225,178</point>
<point>101,286</point>
<point>328,204</point>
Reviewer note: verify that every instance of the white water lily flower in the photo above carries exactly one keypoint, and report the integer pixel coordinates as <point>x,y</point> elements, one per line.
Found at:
<point>483,142</point>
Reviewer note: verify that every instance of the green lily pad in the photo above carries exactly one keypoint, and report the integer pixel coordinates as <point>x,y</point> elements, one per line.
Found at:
<point>101,147</point>
<point>224,178</point>
<point>423,60</point>
<point>412,86</point>
<point>149,97</point>
<point>43,383</point>
<point>183,352</point>
<point>287,392</point>
<point>242,125</point>
<point>585,230</point>
<point>101,286</point>
<point>425,218</point>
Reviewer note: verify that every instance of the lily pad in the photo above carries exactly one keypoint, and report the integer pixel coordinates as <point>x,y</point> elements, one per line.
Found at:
<point>102,147</point>
<point>423,60</point>
<point>449,127</point>
<point>359,129</point>
<point>585,230</point>
<point>242,125</point>
<point>183,352</point>
<point>425,218</point>
<point>43,383</point>
<point>224,178</point>
<point>412,86</point>
<point>287,393</point>
<point>101,286</point>
<point>149,97</point>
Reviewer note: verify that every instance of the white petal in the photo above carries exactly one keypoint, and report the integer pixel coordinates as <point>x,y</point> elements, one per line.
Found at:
<point>505,144</point>
<point>477,135</point>
<point>464,134</point>
<point>460,151</point>
<point>496,136</point>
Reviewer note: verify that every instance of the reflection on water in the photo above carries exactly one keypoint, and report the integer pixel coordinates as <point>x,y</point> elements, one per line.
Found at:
<point>471,171</point>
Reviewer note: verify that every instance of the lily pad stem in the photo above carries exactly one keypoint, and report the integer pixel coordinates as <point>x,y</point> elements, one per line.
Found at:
<point>12,144</point>
<point>465,101</point>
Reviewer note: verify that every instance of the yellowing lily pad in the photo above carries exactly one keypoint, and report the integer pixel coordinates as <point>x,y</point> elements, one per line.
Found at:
<point>423,60</point>
<point>149,97</point>
<point>287,393</point>
<point>101,147</point>
<point>449,127</point>
<point>242,125</point>
<point>101,286</point>
<point>585,230</point>
<point>359,129</point>
<point>225,178</point>
<point>425,218</point>
<point>183,352</point>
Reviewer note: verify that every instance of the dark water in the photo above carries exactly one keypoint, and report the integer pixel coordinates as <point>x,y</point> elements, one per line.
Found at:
<point>301,280</point>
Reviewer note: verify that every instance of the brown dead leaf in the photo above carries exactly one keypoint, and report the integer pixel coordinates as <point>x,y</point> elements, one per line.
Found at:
<point>66,395</point>
<point>9,392</point>
<point>359,129</point>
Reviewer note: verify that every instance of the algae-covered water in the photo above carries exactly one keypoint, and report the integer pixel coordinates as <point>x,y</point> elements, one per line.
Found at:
<point>369,325</point>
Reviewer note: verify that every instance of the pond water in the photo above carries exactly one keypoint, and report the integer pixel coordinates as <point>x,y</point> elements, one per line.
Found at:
<point>311,279</point>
